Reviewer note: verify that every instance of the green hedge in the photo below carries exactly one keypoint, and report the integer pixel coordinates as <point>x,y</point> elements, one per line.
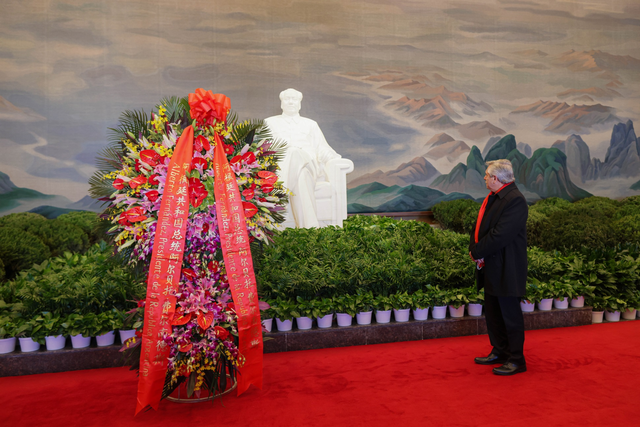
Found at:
<point>94,282</point>
<point>556,224</point>
<point>41,238</point>
<point>370,253</point>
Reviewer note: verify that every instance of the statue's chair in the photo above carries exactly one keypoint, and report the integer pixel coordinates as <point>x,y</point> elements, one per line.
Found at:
<point>331,195</point>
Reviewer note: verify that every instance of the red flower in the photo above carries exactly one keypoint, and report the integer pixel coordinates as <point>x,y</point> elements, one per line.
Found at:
<point>119,183</point>
<point>189,274</point>
<point>123,220</point>
<point>153,179</point>
<point>271,180</point>
<point>208,108</point>
<point>197,192</point>
<point>201,143</point>
<point>185,347</point>
<point>134,214</point>
<point>231,307</point>
<point>138,181</point>
<point>228,149</point>
<point>152,195</point>
<point>236,159</point>
<point>248,193</point>
<point>249,209</point>
<point>205,228</point>
<point>249,157</point>
<point>266,188</point>
<point>266,174</point>
<point>150,157</point>
<point>198,161</point>
<point>221,332</point>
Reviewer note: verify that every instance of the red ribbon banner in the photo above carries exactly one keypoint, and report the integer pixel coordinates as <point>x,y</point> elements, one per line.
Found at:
<point>164,274</point>
<point>239,266</point>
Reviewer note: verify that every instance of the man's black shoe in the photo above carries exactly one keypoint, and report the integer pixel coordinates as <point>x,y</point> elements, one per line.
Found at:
<point>509,368</point>
<point>492,359</point>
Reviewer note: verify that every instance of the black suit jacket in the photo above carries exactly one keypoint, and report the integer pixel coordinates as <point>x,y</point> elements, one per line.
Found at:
<point>502,242</point>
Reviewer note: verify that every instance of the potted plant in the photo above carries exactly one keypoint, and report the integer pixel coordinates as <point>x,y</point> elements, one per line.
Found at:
<point>364,307</point>
<point>105,325</point>
<point>563,290</point>
<point>382,305</point>
<point>284,310</point>
<point>420,303</point>
<point>456,300</point>
<point>615,304</point>
<point>55,330</point>
<point>7,335</point>
<point>439,300</point>
<point>401,304</point>
<point>528,303</point>
<point>266,314</point>
<point>633,301</point>
<point>31,334</point>
<point>476,300</point>
<point>323,312</point>
<point>303,313</point>
<point>345,307</point>
<point>598,304</point>
<point>581,290</point>
<point>81,327</point>
<point>132,320</point>
<point>544,294</point>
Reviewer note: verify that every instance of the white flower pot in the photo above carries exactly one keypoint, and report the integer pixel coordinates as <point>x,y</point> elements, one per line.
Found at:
<point>456,312</point>
<point>363,318</point>
<point>596,316</point>
<point>106,339</point>
<point>80,341</point>
<point>474,310</point>
<point>421,313</point>
<point>284,325</point>
<point>304,322</point>
<point>527,306</point>
<point>383,316</point>
<point>402,314</point>
<point>7,345</point>
<point>577,302</point>
<point>344,319</point>
<point>125,334</point>
<point>612,316</point>
<point>439,312</point>
<point>268,324</point>
<point>629,314</point>
<point>28,345</point>
<point>55,342</point>
<point>561,303</point>
<point>325,321</point>
<point>545,304</point>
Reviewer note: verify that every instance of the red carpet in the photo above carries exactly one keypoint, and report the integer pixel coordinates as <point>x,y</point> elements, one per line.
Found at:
<point>586,376</point>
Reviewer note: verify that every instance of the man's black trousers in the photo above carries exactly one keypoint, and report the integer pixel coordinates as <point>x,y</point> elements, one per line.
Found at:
<point>505,325</point>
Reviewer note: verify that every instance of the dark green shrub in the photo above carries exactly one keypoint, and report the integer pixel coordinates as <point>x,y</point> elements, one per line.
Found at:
<point>22,220</point>
<point>20,250</point>
<point>88,222</point>
<point>629,206</point>
<point>2,272</point>
<point>548,206</point>
<point>73,283</point>
<point>627,229</point>
<point>573,228</point>
<point>457,215</point>
<point>370,254</point>
<point>598,206</point>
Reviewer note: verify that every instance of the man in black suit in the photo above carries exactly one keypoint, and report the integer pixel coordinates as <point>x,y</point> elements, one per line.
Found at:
<point>499,248</point>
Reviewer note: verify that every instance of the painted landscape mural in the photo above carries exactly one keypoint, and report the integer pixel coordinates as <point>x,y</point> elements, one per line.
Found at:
<point>418,94</point>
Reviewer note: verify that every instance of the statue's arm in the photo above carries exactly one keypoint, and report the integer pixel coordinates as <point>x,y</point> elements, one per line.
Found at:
<point>324,150</point>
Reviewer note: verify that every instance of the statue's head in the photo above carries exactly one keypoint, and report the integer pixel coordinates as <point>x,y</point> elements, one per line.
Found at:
<point>291,101</point>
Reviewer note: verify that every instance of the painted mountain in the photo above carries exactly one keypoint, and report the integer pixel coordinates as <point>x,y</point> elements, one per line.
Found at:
<point>621,161</point>
<point>418,171</point>
<point>565,118</point>
<point>543,175</point>
<point>376,197</point>
<point>17,199</point>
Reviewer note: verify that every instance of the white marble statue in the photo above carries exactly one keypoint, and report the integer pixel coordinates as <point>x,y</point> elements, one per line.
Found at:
<point>311,169</point>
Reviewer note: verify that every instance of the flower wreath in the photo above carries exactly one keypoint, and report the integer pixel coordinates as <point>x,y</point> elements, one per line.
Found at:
<point>203,338</point>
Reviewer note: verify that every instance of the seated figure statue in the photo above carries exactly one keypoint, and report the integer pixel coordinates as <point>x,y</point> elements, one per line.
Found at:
<point>313,172</point>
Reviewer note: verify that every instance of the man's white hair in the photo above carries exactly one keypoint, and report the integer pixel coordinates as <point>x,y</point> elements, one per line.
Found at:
<point>291,92</point>
<point>501,169</point>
